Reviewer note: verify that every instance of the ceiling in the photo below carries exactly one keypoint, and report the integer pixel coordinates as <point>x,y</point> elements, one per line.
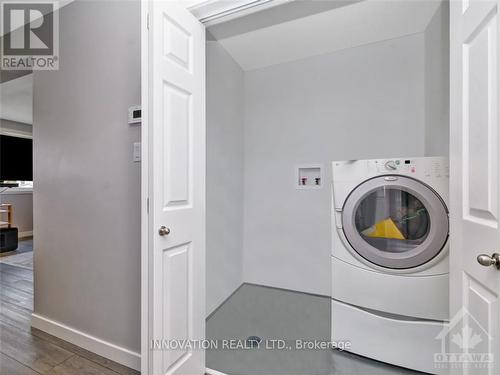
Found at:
<point>16,97</point>
<point>350,25</point>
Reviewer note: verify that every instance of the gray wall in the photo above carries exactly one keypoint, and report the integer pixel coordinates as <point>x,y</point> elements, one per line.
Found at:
<point>224,175</point>
<point>437,81</point>
<point>365,102</point>
<point>22,205</point>
<point>87,189</point>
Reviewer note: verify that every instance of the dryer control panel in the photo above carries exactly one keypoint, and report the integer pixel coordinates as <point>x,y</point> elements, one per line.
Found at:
<point>424,167</point>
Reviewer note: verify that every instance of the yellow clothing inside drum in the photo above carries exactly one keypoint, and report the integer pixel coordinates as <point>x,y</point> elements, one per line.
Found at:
<point>384,229</point>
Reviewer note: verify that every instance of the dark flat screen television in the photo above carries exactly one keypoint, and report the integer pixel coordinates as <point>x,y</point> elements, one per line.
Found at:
<point>16,159</point>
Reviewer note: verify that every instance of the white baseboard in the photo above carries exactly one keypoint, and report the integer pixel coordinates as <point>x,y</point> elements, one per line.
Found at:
<point>25,234</point>
<point>209,371</point>
<point>103,348</point>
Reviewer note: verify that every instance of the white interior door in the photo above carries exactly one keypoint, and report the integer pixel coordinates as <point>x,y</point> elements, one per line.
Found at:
<point>475,172</point>
<point>175,105</point>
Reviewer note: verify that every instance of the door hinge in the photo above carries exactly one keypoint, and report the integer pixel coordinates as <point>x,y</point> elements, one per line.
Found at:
<point>147,205</point>
<point>147,21</point>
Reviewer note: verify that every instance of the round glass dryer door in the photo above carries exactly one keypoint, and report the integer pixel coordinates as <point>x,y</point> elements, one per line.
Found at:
<point>395,222</point>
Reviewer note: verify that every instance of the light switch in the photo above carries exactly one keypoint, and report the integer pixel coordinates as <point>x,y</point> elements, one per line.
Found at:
<point>137,152</point>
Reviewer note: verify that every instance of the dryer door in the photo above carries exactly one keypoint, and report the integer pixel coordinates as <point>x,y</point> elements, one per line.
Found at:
<point>395,222</point>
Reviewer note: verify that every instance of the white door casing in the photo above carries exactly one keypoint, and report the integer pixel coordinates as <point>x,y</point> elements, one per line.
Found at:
<point>174,106</point>
<point>475,190</point>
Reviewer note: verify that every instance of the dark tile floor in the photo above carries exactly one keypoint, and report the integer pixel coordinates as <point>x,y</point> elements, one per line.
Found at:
<point>28,351</point>
<point>278,314</point>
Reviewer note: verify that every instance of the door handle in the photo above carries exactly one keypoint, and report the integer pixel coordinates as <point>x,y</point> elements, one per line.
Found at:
<point>486,260</point>
<point>164,231</point>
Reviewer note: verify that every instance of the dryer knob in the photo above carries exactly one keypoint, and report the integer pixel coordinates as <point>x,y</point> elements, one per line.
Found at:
<point>390,165</point>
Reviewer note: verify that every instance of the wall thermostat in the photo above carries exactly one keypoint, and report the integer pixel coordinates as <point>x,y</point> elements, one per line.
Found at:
<point>135,114</point>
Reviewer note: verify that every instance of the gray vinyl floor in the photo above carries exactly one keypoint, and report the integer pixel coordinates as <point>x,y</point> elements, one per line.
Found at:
<point>278,314</point>
<point>252,310</point>
<point>27,351</point>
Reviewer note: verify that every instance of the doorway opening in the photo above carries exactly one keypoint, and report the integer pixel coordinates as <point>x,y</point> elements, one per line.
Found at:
<point>290,90</point>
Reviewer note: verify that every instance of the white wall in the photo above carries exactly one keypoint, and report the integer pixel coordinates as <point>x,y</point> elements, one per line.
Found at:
<point>437,81</point>
<point>87,188</point>
<point>364,102</point>
<point>224,175</point>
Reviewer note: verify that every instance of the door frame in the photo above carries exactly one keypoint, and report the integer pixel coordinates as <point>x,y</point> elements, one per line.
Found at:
<point>146,241</point>
<point>213,12</point>
<point>209,12</point>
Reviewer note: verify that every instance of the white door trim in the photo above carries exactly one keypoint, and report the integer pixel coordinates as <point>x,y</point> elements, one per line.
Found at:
<point>145,219</point>
<point>212,12</point>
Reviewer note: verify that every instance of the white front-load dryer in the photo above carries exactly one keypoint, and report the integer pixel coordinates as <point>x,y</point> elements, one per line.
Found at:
<point>390,258</point>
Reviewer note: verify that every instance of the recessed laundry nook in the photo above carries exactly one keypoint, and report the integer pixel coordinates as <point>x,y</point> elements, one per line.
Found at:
<point>327,184</point>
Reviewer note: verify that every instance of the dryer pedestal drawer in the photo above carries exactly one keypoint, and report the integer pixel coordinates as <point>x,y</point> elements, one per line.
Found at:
<point>423,297</point>
<point>406,343</point>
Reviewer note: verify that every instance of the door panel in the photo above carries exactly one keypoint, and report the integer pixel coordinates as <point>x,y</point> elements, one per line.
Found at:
<point>479,65</point>
<point>475,314</point>
<point>177,305</point>
<point>177,149</point>
<point>177,188</point>
<point>178,44</point>
<point>480,306</point>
